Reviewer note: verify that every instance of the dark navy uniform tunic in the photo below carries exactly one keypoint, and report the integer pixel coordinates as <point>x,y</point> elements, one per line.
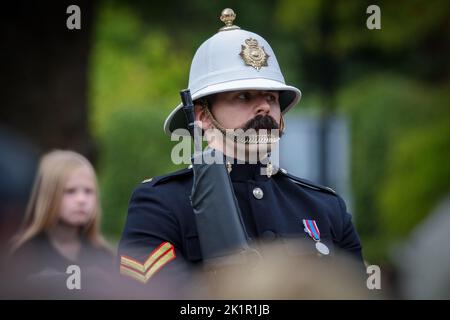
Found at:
<point>160,211</point>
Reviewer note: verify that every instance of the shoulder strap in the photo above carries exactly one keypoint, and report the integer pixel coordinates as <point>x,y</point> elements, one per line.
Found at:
<point>307,183</point>
<point>159,179</point>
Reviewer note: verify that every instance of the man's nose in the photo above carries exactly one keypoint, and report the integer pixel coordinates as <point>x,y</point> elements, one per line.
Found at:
<point>262,105</point>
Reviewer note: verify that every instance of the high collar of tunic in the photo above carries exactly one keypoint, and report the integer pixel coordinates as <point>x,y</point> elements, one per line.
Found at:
<point>246,171</point>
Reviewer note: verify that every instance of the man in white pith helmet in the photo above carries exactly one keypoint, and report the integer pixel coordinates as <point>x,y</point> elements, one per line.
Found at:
<point>240,97</point>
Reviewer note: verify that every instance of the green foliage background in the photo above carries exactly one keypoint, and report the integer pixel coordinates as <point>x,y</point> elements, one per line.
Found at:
<point>392,84</point>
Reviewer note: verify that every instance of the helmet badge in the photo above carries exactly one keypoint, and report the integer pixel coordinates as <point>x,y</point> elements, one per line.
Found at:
<point>253,55</point>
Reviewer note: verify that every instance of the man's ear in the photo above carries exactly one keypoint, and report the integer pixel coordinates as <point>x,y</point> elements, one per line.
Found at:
<point>200,115</point>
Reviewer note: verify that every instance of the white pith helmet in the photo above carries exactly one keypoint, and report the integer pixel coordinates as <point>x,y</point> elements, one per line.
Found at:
<point>233,60</point>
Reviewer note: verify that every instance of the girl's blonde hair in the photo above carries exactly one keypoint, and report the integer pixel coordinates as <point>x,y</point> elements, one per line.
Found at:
<point>43,207</point>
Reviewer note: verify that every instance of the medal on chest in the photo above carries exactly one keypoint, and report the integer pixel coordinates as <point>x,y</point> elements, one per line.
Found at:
<point>312,230</point>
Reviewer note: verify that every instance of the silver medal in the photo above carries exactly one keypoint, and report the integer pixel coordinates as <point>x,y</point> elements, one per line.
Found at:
<point>322,248</point>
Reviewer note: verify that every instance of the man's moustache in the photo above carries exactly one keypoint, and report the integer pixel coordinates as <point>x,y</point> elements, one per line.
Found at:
<point>261,122</point>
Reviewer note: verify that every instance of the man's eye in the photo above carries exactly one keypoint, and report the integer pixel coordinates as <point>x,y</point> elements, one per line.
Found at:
<point>243,96</point>
<point>271,97</point>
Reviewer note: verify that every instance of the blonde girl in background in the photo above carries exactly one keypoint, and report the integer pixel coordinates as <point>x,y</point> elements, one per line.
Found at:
<point>62,222</point>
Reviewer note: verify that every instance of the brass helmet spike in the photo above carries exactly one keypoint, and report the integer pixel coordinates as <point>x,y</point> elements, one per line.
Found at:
<point>227,16</point>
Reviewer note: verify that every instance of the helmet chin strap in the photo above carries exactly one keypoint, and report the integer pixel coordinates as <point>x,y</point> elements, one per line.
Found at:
<point>251,142</point>
<point>243,138</point>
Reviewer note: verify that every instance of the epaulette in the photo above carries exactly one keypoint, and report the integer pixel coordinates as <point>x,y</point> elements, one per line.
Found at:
<point>306,183</point>
<point>155,180</point>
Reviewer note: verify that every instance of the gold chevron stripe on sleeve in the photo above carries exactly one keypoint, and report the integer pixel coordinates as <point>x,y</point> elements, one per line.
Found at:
<point>133,274</point>
<point>143,267</point>
<point>167,257</point>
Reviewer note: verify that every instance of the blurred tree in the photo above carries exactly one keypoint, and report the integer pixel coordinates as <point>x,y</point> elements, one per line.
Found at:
<point>417,171</point>
<point>133,148</point>
<point>135,72</point>
<point>44,73</point>
<point>392,181</point>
